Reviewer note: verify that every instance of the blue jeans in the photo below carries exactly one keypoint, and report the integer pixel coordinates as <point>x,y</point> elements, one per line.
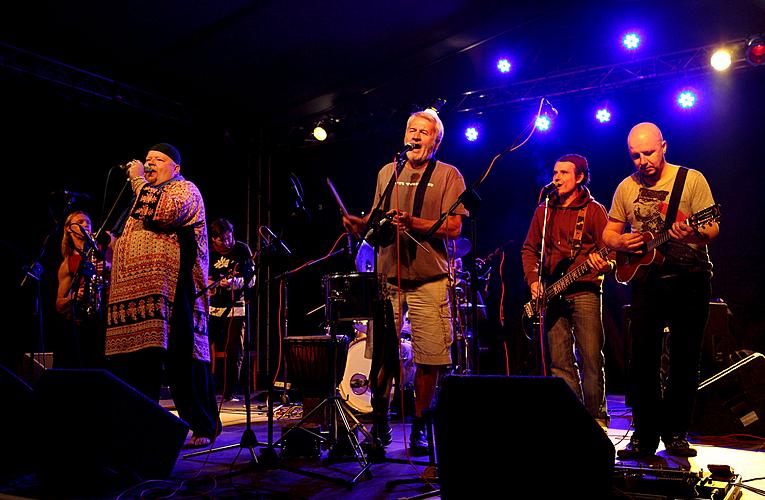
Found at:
<point>575,340</point>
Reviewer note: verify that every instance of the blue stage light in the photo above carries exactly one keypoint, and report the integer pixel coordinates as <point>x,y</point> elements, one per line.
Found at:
<point>503,65</point>
<point>543,123</point>
<point>603,115</point>
<point>631,41</point>
<point>686,99</point>
<point>471,134</point>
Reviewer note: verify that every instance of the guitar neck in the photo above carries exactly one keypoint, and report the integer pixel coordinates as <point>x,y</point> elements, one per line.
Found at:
<point>662,238</point>
<point>572,276</point>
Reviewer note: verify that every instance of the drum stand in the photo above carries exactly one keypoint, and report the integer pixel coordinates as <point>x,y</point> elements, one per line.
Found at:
<point>337,410</point>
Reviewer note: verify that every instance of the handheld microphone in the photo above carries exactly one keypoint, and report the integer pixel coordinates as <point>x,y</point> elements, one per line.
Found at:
<point>278,240</point>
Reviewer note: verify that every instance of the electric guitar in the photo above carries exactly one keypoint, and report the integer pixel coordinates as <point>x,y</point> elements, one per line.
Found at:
<point>530,309</point>
<point>628,264</point>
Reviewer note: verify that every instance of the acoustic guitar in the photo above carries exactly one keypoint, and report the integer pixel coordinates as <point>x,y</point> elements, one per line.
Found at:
<point>629,264</point>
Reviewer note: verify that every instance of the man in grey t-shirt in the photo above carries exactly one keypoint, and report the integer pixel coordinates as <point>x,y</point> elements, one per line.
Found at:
<point>417,274</point>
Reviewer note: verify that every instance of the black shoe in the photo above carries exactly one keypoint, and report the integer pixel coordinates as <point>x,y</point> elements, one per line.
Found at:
<point>375,452</point>
<point>636,449</point>
<point>382,432</point>
<point>418,443</point>
<point>678,446</point>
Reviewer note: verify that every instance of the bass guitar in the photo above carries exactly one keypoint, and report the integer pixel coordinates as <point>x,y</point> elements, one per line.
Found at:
<point>628,264</point>
<point>530,311</point>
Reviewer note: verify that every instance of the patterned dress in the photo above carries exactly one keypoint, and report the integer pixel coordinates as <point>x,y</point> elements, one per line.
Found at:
<point>164,241</point>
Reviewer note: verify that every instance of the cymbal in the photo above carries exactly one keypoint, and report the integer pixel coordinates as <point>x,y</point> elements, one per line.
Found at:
<point>458,248</point>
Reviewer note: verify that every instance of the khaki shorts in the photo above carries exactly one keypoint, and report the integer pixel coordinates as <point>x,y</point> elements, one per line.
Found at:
<point>430,318</point>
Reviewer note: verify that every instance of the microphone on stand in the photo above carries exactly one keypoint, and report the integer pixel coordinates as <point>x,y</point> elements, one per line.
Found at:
<point>547,191</point>
<point>552,109</point>
<point>273,236</point>
<point>409,146</point>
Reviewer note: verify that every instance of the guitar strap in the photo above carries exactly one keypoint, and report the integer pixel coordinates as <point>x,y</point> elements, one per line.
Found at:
<point>419,195</point>
<point>385,198</point>
<point>674,200</point>
<point>419,199</point>
<point>576,243</point>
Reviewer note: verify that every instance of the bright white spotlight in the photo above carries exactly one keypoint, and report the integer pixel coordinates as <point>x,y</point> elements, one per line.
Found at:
<point>319,133</point>
<point>543,123</point>
<point>686,99</point>
<point>720,60</point>
<point>503,65</point>
<point>603,115</point>
<point>631,41</point>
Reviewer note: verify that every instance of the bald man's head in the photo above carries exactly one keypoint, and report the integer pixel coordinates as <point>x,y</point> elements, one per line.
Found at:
<point>647,147</point>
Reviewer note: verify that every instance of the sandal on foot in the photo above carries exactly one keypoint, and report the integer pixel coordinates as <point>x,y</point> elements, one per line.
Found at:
<point>197,442</point>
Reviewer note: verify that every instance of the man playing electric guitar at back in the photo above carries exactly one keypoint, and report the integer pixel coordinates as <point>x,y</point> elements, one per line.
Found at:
<point>675,293</point>
<point>574,324</point>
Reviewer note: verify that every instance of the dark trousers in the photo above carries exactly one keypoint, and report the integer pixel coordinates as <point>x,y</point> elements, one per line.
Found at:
<point>190,380</point>
<point>227,335</point>
<point>681,303</point>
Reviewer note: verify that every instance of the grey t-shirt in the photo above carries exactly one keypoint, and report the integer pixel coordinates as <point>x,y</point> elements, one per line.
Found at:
<point>444,187</point>
<point>644,208</point>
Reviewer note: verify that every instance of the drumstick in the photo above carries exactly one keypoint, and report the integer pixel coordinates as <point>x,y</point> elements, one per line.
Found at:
<point>337,198</point>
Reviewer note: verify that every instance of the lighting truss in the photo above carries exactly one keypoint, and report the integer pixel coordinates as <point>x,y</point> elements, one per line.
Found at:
<point>88,84</point>
<point>687,63</point>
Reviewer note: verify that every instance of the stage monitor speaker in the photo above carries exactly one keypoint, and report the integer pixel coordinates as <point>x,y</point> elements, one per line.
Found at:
<point>94,428</point>
<point>16,419</point>
<point>519,437</point>
<point>733,401</point>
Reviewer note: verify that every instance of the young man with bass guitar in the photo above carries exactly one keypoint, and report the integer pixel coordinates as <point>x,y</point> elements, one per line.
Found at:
<point>660,197</point>
<point>572,319</point>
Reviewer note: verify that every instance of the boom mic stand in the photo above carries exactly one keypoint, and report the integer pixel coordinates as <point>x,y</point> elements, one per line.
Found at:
<point>34,272</point>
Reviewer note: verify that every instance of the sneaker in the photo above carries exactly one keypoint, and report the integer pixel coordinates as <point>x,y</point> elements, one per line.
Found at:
<point>678,446</point>
<point>636,449</point>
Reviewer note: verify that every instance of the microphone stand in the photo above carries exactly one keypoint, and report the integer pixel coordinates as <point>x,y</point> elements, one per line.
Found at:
<point>540,304</point>
<point>34,271</point>
<point>248,440</point>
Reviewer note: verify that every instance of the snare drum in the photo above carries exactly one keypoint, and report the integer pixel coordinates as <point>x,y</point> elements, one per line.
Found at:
<point>354,388</point>
<point>352,296</point>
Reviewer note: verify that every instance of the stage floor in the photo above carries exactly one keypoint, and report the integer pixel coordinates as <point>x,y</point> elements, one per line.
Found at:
<point>233,473</point>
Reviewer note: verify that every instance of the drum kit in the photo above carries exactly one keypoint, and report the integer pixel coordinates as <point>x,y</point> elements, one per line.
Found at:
<point>350,297</point>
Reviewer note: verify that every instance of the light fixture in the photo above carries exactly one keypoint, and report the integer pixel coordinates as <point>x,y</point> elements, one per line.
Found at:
<point>721,59</point>
<point>471,133</point>
<point>631,41</point>
<point>504,65</point>
<point>543,123</point>
<point>686,99</point>
<point>603,115</point>
<point>319,132</point>
<point>755,50</point>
